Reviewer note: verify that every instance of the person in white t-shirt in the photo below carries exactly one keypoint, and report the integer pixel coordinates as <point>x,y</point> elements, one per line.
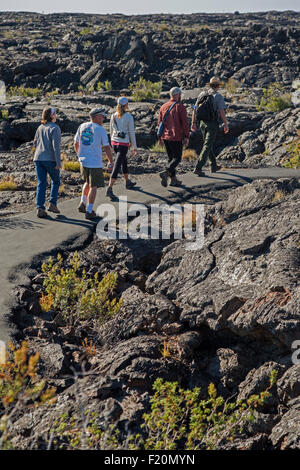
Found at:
<point>88,142</point>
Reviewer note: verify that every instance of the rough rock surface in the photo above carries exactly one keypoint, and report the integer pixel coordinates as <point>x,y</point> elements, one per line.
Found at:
<point>228,313</point>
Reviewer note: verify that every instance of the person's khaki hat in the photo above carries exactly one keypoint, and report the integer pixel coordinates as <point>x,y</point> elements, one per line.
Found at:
<point>175,91</point>
<point>215,81</point>
<point>95,111</point>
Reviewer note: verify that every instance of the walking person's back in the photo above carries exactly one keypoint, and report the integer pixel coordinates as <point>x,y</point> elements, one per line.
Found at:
<point>209,111</point>
<point>47,161</point>
<point>175,134</point>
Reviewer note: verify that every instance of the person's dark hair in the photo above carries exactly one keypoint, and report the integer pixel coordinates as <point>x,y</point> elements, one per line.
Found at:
<point>46,115</point>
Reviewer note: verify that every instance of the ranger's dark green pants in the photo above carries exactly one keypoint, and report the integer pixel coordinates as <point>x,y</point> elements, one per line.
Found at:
<point>209,133</point>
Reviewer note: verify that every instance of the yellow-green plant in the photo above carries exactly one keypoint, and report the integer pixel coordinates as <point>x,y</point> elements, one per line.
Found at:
<point>72,166</point>
<point>104,86</point>
<point>4,114</point>
<point>274,99</point>
<point>23,91</point>
<point>145,89</point>
<point>294,153</point>
<point>7,183</point>
<point>179,419</point>
<point>19,384</point>
<point>76,295</point>
<point>158,148</point>
<point>85,31</point>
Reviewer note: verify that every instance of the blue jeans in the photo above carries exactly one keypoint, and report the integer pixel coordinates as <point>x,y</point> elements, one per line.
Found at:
<point>43,168</point>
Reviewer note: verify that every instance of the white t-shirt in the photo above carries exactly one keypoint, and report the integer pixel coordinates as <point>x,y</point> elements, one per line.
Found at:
<point>91,137</point>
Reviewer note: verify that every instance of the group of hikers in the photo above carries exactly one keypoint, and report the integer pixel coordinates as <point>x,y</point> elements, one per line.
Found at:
<point>91,138</point>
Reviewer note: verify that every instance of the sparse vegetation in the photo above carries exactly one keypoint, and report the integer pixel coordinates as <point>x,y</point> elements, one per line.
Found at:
<point>19,383</point>
<point>75,295</point>
<point>72,166</point>
<point>179,419</point>
<point>189,154</point>
<point>158,148</point>
<point>145,89</point>
<point>104,86</point>
<point>274,99</point>
<point>85,31</point>
<point>294,152</point>
<point>8,183</point>
<point>4,115</point>
<point>23,91</point>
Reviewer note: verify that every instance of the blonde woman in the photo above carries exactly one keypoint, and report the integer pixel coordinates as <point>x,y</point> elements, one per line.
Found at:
<point>47,161</point>
<point>122,134</point>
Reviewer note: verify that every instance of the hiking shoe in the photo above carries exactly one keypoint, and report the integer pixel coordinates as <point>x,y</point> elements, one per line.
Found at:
<point>109,193</point>
<point>175,182</point>
<point>215,168</point>
<point>53,208</point>
<point>91,215</point>
<point>82,208</point>
<point>130,184</point>
<point>41,213</point>
<point>164,178</point>
<point>198,172</point>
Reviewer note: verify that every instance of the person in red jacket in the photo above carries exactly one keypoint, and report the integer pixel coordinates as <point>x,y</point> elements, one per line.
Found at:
<point>175,134</point>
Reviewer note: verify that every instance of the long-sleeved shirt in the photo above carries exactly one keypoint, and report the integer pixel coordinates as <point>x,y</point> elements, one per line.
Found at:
<point>124,124</point>
<point>47,143</point>
<point>177,124</point>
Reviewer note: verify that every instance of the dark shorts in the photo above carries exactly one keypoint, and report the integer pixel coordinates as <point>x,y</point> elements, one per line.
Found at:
<point>93,176</point>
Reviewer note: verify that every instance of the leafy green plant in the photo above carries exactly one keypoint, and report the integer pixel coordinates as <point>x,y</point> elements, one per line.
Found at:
<point>274,99</point>
<point>7,183</point>
<point>85,31</point>
<point>23,91</point>
<point>179,419</point>
<point>4,114</point>
<point>158,148</point>
<point>20,384</point>
<point>72,166</point>
<point>294,153</point>
<point>75,295</point>
<point>104,86</point>
<point>145,89</point>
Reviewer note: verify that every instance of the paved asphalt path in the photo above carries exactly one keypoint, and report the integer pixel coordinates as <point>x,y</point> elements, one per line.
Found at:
<point>25,239</point>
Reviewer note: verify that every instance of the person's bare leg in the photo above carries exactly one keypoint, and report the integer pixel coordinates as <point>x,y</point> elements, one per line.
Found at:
<point>125,176</point>
<point>84,197</point>
<point>111,182</point>
<point>91,198</point>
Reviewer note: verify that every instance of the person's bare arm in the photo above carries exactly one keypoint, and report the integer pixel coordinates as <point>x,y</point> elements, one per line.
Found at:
<point>76,147</point>
<point>223,117</point>
<point>108,153</point>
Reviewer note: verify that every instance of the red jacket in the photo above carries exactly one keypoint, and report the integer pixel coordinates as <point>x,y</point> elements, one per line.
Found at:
<point>177,123</point>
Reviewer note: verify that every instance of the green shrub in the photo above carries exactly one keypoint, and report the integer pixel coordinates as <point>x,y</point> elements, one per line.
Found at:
<point>85,31</point>
<point>104,86</point>
<point>4,115</point>
<point>274,99</point>
<point>19,384</point>
<point>72,166</point>
<point>8,183</point>
<point>77,296</point>
<point>22,91</point>
<point>144,89</point>
<point>179,419</point>
<point>294,152</point>
<point>158,148</point>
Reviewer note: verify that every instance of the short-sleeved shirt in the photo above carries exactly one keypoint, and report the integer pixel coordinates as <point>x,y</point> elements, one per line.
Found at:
<point>219,102</point>
<point>91,137</point>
